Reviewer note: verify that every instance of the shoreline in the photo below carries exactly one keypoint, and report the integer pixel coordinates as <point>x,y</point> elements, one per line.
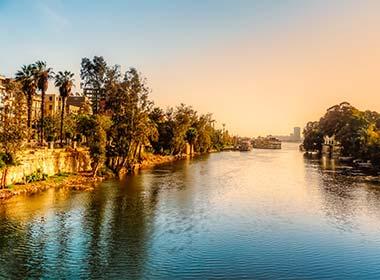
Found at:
<point>82,181</point>
<point>70,181</point>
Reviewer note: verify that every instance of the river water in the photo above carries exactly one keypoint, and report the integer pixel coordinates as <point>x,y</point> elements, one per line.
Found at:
<point>265,214</point>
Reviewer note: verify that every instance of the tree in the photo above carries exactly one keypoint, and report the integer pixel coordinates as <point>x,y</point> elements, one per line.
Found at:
<point>51,126</point>
<point>204,126</point>
<point>129,107</point>
<point>191,137</point>
<point>98,126</point>
<point>313,137</point>
<point>183,118</point>
<point>42,75</point>
<point>64,81</point>
<point>373,143</point>
<point>164,125</point>
<point>28,83</point>
<point>94,75</point>
<point>13,130</point>
<point>358,132</point>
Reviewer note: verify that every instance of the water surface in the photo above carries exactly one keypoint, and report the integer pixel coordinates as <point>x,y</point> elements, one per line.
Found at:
<point>265,214</point>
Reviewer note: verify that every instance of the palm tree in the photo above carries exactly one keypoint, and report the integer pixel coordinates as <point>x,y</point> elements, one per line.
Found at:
<point>64,81</point>
<point>42,76</point>
<point>26,77</point>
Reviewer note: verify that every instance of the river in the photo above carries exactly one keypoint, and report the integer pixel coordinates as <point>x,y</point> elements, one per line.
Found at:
<point>265,214</point>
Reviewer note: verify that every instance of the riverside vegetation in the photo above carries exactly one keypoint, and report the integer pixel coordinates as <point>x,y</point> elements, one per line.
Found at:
<point>358,132</point>
<point>117,124</point>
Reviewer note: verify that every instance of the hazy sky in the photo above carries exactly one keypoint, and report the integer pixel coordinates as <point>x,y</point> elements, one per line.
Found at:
<point>260,66</point>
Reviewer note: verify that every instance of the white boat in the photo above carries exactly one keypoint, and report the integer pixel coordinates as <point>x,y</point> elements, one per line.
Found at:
<point>245,146</point>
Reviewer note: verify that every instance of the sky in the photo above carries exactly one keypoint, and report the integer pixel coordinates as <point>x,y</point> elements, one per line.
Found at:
<point>261,67</point>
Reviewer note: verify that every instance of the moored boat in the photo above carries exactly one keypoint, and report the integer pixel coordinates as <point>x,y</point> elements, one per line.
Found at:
<point>245,146</point>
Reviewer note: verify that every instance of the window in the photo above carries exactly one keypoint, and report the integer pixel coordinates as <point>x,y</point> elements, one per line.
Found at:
<point>50,98</point>
<point>50,107</point>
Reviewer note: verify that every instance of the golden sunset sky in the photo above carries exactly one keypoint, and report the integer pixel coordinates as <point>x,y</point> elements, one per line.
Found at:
<point>261,67</point>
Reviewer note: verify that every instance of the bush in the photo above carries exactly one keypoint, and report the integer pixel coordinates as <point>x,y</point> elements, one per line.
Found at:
<point>50,138</point>
<point>35,176</point>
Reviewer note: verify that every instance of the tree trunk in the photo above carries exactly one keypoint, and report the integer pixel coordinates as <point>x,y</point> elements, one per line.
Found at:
<point>42,117</point>
<point>29,117</point>
<point>135,151</point>
<point>95,169</point>
<point>62,118</point>
<point>4,178</point>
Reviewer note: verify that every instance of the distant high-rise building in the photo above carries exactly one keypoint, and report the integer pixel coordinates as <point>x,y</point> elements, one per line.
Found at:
<point>297,133</point>
<point>292,137</point>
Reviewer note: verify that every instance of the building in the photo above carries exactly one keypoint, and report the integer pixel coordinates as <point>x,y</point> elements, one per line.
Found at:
<point>297,133</point>
<point>292,137</point>
<point>36,109</point>
<point>6,99</point>
<point>52,104</point>
<point>331,147</point>
<point>76,104</point>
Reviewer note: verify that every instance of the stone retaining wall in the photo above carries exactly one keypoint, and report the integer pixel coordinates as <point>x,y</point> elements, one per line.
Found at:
<point>48,161</point>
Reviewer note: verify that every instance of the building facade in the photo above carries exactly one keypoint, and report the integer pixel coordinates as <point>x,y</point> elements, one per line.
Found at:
<point>52,104</point>
<point>76,104</point>
<point>331,147</point>
<point>297,134</point>
<point>6,99</point>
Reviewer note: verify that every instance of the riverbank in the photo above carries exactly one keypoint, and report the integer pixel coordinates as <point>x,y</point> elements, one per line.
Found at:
<point>151,160</point>
<point>81,181</point>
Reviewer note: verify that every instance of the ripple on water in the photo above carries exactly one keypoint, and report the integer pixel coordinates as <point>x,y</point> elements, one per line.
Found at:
<point>258,215</point>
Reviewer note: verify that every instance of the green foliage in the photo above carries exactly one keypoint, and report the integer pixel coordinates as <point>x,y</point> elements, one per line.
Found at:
<point>94,76</point>
<point>64,81</point>
<point>205,132</point>
<point>13,131</point>
<point>191,135</point>
<point>7,159</point>
<point>358,132</point>
<point>42,75</point>
<point>26,78</point>
<point>165,128</point>
<point>35,176</point>
<point>97,129</point>
<point>50,138</point>
<point>51,125</point>
<point>129,107</point>
<point>313,137</point>
<point>123,122</point>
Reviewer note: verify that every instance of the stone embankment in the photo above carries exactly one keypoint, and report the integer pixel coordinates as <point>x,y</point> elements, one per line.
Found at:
<point>68,169</point>
<point>48,162</point>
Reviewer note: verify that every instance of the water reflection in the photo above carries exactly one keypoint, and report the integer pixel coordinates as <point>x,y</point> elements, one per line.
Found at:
<point>228,215</point>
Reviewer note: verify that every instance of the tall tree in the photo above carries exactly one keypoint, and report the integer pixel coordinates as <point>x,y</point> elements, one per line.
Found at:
<point>26,77</point>
<point>12,130</point>
<point>42,75</point>
<point>64,81</point>
<point>184,117</point>
<point>94,76</point>
<point>132,127</point>
<point>313,137</point>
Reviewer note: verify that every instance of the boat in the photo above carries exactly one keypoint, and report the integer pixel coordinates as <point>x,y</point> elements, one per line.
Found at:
<point>345,159</point>
<point>266,143</point>
<point>363,164</point>
<point>245,146</point>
